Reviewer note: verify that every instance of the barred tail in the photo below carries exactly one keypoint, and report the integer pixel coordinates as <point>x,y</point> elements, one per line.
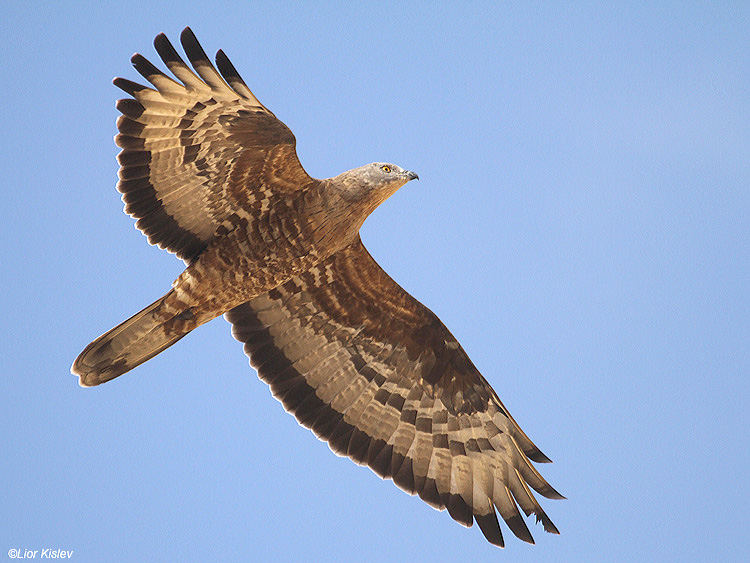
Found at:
<point>129,344</point>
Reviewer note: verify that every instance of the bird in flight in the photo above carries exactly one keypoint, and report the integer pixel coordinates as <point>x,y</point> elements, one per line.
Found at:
<point>211,175</point>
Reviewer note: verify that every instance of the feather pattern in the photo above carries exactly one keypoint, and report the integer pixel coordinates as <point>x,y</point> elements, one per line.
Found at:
<point>190,145</point>
<point>376,374</point>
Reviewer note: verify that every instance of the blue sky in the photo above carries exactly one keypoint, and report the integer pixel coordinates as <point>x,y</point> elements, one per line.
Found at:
<point>581,225</point>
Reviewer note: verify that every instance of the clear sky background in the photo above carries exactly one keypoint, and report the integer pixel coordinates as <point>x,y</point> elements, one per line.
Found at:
<point>581,225</point>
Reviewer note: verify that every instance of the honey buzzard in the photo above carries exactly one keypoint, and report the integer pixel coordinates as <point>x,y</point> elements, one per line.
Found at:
<point>212,176</point>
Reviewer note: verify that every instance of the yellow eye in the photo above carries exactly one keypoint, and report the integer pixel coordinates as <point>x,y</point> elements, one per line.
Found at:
<point>385,168</point>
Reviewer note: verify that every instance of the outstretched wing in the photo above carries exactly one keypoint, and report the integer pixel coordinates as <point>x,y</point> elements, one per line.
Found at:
<point>375,373</point>
<point>201,154</point>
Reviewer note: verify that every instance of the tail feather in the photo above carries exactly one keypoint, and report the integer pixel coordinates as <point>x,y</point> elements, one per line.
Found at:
<point>128,345</point>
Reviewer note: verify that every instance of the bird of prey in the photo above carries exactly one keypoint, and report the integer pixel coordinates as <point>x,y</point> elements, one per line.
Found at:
<point>212,176</point>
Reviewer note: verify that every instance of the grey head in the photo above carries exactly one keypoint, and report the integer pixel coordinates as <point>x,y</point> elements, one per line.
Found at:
<point>372,183</point>
<point>384,173</point>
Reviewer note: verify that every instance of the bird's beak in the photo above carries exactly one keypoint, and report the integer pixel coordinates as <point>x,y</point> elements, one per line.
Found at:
<point>411,175</point>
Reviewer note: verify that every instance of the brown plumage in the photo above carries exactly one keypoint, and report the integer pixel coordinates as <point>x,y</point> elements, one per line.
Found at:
<point>212,176</point>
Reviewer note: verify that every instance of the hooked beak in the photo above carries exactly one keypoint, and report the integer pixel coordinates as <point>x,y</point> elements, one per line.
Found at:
<point>411,175</point>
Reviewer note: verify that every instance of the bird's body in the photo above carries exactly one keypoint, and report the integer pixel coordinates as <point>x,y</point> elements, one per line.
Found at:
<point>234,268</point>
<point>213,176</point>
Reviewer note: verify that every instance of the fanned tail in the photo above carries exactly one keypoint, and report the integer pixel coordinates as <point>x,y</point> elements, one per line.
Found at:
<point>129,344</point>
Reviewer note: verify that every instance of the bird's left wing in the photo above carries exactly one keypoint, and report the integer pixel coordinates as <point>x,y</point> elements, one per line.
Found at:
<point>375,373</point>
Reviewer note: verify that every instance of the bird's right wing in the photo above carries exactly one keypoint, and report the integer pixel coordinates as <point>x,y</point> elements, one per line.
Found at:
<point>201,154</point>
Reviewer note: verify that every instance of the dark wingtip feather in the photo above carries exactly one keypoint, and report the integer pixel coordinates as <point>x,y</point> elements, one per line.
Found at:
<point>404,475</point>
<point>129,86</point>
<point>538,456</point>
<point>227,69</point>
<point>127,126</point>
<point>519,528</point>
<point>160,39</point>
<point>339,437</point>
<point>193,48</point>
<point>129,107</point>
<point>379,456</point>
<point>144,66</point>
<point>429,494</point>
<point>550,493</point>
<point>459,510</point>
<point>129,157</point>
<point>490,528</point>
<point>166,50</point>
<point>549,527</point>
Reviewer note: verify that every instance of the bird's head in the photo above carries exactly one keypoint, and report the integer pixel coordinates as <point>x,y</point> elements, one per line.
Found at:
<point>382,175</point>
<point>373,183</point>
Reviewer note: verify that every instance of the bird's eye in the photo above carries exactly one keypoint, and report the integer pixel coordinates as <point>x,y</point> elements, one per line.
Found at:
<point>385,168</point>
